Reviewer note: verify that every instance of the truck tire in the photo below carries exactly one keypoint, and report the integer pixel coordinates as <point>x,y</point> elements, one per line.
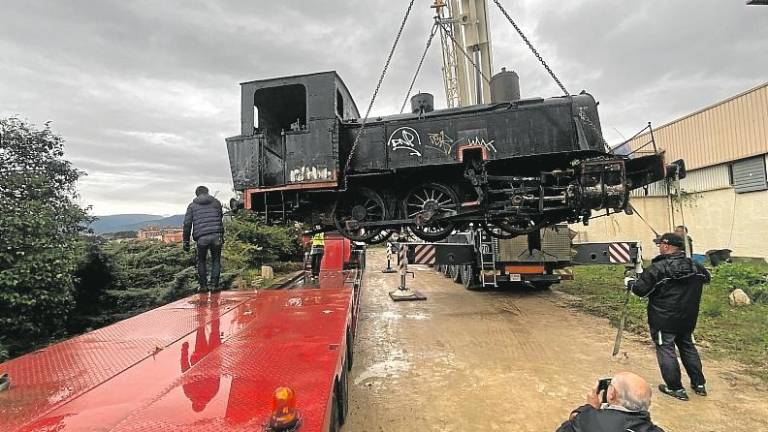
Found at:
<point>455,273</point>
<point>350,350</point>
<point>343,398</point>
<point>446,270</point>
<point>469,277</point>
<point>334,425</point>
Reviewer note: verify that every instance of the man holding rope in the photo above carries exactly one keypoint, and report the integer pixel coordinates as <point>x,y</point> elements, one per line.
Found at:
<point>673,285</point>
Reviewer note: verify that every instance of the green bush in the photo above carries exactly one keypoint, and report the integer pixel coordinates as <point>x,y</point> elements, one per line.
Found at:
<point>249,243</point>
<point>748,277</point>
<point>758,293</point>
<point>40,226</point>
<point>737,275</point>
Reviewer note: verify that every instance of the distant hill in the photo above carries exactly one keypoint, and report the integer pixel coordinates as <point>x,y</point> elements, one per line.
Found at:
<point>133,222</point>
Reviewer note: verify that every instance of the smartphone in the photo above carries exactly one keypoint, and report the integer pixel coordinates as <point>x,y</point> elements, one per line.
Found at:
<point>602,386</point>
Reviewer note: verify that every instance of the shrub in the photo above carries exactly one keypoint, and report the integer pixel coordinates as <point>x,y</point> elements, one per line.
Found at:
<point>745,276</point>
<point>251,243</point>
<point>40,226</point>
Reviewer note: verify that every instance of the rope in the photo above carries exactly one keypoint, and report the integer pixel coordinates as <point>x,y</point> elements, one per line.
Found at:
<point>375,93</point>
<point>634,210</point>
<point>418,69</point>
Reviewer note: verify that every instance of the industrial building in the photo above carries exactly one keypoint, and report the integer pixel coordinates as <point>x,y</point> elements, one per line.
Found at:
<point>725,194</point>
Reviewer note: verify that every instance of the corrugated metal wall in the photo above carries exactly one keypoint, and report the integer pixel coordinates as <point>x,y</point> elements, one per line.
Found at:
<point>733,129</point>
<point>700,180</point>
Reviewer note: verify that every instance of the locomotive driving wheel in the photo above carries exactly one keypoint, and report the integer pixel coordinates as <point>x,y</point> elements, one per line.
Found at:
<point>425,205</point>
<point>359,206</point>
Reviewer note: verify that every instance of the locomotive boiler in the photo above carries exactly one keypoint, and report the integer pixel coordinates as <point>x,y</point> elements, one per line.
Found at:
<point>511,166</point>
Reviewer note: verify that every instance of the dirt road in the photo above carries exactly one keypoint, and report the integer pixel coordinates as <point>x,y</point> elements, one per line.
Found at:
<point>508,361</point>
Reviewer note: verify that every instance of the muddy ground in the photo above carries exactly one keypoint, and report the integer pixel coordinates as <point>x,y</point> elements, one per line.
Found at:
<point>508,360</point>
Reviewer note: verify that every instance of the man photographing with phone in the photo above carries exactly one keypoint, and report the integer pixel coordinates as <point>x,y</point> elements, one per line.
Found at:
<point>617,404</point>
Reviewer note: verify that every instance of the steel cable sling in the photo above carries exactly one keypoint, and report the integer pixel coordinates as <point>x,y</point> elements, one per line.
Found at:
<point>375,93</point>
<point>421,62</point>
<point>533,50</point>
<point>581,115</point>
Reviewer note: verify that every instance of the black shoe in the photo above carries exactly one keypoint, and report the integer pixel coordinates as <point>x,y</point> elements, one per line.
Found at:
<point>699,389</point>
<point>678,394</point>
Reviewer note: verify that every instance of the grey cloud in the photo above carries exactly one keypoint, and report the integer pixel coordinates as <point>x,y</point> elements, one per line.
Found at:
<point>145,91</point>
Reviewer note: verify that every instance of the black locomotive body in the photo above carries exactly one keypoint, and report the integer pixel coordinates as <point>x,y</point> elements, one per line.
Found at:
<point>511,166</point>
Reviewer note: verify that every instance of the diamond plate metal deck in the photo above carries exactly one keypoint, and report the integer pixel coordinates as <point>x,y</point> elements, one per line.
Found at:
<point>196,364</point>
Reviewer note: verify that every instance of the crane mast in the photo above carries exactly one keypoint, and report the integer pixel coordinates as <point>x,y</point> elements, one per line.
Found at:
<point>465,40</point>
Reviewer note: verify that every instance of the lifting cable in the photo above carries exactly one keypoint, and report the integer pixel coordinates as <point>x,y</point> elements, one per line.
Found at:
<point>375,93</point>
<point>530,45</point>
<point>418,69</point>
<point>565,91</point>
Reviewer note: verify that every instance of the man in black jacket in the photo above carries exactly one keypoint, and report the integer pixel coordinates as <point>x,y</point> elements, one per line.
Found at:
<point>673,285</point>
<point>628,399</point>
<point>203,221</point>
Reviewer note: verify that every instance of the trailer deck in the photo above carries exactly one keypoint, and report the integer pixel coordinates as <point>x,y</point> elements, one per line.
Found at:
<point>200,363</point>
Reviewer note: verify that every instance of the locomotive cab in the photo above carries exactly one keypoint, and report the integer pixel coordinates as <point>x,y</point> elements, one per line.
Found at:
<point>289,136</point>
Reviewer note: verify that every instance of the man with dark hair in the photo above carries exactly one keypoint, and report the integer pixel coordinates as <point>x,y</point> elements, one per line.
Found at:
<point>673,285</point>
<point>682,232</point>
<point>628,399</point>
<point>204,221</point>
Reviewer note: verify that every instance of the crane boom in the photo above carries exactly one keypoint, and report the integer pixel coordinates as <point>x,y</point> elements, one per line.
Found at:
<point>464,32</point>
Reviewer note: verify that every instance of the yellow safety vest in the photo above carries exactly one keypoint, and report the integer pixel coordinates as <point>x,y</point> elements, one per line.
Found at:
<point>318,240</point>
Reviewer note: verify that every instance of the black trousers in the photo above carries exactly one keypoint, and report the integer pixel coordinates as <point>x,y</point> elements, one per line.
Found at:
<point>212,243</point>
<point>667,357</point>
<point>317,259</point>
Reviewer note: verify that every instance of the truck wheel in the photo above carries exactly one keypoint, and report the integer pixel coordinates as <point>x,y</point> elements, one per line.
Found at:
<point>469,277</point>
<point>350,350</point>
<point>343,398</point>
<point>334,425</point>
<point>455,273</point>
<point>447,270</point>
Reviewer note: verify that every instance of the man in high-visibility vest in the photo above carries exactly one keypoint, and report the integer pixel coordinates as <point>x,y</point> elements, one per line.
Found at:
<point>316,253</point>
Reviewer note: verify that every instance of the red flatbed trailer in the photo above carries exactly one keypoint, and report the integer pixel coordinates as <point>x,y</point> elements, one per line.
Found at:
<point>200,363</point>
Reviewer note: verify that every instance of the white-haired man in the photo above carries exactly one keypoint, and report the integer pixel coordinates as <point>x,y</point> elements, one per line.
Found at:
<point>628,399</point>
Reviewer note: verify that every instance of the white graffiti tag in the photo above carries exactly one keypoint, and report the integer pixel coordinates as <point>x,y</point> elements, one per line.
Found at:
<point>407,139</point>
<point>477,141</point>
<point>306,173</point>
<point>441,141</point>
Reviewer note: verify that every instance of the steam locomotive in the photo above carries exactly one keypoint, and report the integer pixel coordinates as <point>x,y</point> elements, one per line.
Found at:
<point>511,166</point>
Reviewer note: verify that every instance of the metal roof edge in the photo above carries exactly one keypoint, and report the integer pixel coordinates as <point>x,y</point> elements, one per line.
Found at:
<point>291,76</point>
<point>707,108</point>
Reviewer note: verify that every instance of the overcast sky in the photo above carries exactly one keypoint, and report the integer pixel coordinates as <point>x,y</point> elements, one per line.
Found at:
<point>145,92</point>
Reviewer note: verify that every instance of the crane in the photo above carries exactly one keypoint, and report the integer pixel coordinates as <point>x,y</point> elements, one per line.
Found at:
<point>466,46</point>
